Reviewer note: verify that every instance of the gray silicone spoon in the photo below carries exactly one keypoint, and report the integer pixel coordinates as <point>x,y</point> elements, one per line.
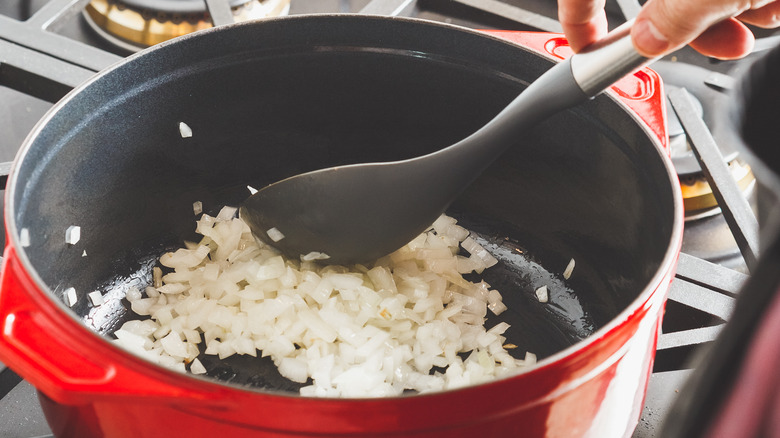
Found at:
<point>360,212</point>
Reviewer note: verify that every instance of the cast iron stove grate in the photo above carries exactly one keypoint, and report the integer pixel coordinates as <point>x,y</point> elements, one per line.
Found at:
<point>46,53</point>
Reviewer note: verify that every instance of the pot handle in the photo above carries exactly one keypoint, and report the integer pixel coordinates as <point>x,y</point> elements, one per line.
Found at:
<point>641,91</point>
<point>57,355</point>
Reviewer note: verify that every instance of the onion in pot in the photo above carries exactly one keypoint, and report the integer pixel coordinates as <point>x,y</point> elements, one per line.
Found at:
<point>408,322</point>
<point>24,237</point>
<point>72,235</point>
<point>569,269</point>
<point>184,130</point>
<point>70,296</point>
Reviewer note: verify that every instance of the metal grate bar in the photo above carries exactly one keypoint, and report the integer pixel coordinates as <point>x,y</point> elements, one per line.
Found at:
<point>688,338</point>
<point>390,8</point>
<point>710,275</point>
<point>220,12</point>
<point>701,298</point>
<point>55,11</point>
<point>514,13</point>
<point>720,81</point>
<point>5,170</point>
<point>736,209</point>
<point>8,380</point>
<point>37,74</point>
<point>55,46</point>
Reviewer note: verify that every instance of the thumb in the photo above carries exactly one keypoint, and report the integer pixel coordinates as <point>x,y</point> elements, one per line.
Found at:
<point>665,25</point>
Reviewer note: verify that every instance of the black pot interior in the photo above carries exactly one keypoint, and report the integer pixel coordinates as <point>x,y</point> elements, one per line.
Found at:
<point>269,100</point>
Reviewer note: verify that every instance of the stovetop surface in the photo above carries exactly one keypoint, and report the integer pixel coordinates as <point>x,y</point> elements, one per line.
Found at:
<point>701,298</point>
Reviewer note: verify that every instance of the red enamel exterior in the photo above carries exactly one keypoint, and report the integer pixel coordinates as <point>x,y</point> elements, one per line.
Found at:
<point>92,388</point>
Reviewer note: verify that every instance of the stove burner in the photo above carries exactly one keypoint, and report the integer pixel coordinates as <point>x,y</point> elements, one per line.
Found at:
<point>697,195</point>
<point>707,232</point>
<point>133,25</point>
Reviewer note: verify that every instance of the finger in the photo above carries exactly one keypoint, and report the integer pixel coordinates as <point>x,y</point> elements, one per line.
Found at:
<point>583,34</point>
<point>729,39</point>
<point>767,16</point>
<point>664,25</point>
<point>583,21</point>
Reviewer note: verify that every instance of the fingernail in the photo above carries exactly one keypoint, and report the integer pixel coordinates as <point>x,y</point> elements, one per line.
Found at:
<point>648,39</point>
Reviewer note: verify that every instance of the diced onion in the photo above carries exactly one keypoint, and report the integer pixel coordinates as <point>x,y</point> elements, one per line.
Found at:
<point>133,294</point>
<point>70,296</point>
<point>314,255</point>
<point>252,190</point>
<point>96,297</point>
<point>185,130</point>
<point>349,331</point>
<point>157,276</point>
<point>227,213</point>
<point>24,237</point>
<point>197,207</point>
<point>497,308</point>
<point>541,294</point>
<point>274,234</point>
<point>569,269</point>
<point>72,234</point>
<point>197,368</point>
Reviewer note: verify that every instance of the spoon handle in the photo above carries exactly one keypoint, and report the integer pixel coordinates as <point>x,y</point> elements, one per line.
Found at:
<point>606,61</point>
<point>563,86</point>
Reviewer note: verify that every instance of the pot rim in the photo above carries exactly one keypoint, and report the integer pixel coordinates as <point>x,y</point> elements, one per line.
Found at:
<point>653,287</point>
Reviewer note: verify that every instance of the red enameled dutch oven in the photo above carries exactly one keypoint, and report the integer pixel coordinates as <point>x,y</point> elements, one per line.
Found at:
<point>275,98</point>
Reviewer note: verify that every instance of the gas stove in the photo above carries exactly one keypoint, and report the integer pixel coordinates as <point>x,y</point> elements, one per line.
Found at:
<point>49,47</point>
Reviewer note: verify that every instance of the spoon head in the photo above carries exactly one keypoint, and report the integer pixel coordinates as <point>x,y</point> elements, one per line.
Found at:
<point>352,214</point>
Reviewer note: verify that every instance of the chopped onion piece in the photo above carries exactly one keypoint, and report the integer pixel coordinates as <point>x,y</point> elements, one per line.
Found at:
<point>499,328</point>
<point>157,276</point>
<point>497,308</point>
<point>477,251</point>
<point>197,368</point>
<point>252,190</point>
<point>541,294</point>
<point>70,295</point>
<point>72,234</point>
<point>226,213</point>
<point>197,207</point>
<point>314,255</point>
<point>173,345</point>
<point>569,269</point>
<point>210,272</point>
<point>84,254</point>
<point>185,130</point>
<point>96,297</point>
<point>293,369</point>
<point>24,237</point>
<point>275,234</point>
<point>133,294</point>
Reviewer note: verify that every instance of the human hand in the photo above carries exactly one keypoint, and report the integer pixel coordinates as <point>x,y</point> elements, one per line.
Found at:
<point>713,27</point>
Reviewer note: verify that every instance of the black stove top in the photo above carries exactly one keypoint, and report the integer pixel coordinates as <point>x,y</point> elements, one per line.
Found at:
<point>47,48</point>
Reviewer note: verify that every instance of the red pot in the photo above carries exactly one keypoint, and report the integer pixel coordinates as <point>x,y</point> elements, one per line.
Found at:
<point>96,160</point>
